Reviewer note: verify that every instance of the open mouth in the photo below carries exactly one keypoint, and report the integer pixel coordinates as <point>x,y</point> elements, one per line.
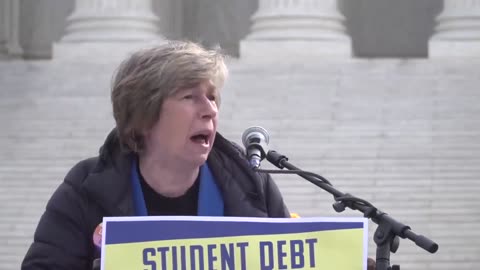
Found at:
<point>201,138</point>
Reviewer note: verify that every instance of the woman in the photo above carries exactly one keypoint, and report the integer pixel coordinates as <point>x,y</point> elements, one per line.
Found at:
<point>163,158</point>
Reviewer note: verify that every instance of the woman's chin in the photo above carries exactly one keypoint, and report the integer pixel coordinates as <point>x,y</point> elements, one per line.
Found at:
<point>197,160</point>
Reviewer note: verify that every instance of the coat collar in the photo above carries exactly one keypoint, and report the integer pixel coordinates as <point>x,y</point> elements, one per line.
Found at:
<point>109,183</point>
<point>240,185</point>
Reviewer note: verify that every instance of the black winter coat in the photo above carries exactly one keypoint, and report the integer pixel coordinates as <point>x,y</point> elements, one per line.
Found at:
<point>100,186</point>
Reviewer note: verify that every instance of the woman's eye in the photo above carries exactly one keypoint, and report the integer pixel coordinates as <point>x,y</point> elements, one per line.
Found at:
<point>188,97</point>
<point>212,97</point>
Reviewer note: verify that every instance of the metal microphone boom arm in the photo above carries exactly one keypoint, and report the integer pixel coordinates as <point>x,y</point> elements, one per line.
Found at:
<point>388,230</point>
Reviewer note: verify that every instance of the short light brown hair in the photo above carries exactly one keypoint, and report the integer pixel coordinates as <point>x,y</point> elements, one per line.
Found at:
<point>147,77</point>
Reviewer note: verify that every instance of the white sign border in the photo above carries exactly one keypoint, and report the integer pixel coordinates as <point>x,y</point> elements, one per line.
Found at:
<point>240,219</point>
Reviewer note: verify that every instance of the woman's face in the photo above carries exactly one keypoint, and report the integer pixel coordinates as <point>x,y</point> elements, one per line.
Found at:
<point>186,128</point>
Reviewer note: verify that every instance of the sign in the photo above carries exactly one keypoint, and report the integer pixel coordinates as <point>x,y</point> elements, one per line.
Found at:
<point>231,243</point>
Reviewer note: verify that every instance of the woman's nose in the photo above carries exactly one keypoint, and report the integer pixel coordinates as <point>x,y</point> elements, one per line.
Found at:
<point>209,108</point>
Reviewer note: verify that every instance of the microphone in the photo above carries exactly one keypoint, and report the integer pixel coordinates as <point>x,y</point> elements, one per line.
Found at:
<point>255,139</point>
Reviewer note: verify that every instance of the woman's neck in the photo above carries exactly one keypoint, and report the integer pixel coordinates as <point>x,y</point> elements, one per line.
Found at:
<point>167,178</point>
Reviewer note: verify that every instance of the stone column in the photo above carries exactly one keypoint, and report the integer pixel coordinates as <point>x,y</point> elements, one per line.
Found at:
<point>9,22</point>
<point>296,28</point>
<point>108,28</point>
<point>457,31</point>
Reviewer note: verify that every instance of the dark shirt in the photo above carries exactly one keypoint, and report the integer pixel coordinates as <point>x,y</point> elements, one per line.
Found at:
<point>159,205</point>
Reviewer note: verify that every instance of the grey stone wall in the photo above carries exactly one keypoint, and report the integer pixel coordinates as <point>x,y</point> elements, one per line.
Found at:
<point>403,134</point>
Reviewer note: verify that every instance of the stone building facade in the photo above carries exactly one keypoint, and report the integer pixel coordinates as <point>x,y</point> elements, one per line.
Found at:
<point>379,96</point>
<point>369,28</point>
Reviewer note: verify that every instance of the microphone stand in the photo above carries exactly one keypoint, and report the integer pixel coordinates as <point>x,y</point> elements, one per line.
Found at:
<point>387,234</point>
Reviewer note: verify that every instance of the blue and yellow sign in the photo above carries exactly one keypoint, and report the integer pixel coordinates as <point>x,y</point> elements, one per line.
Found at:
<point>227,243</point>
